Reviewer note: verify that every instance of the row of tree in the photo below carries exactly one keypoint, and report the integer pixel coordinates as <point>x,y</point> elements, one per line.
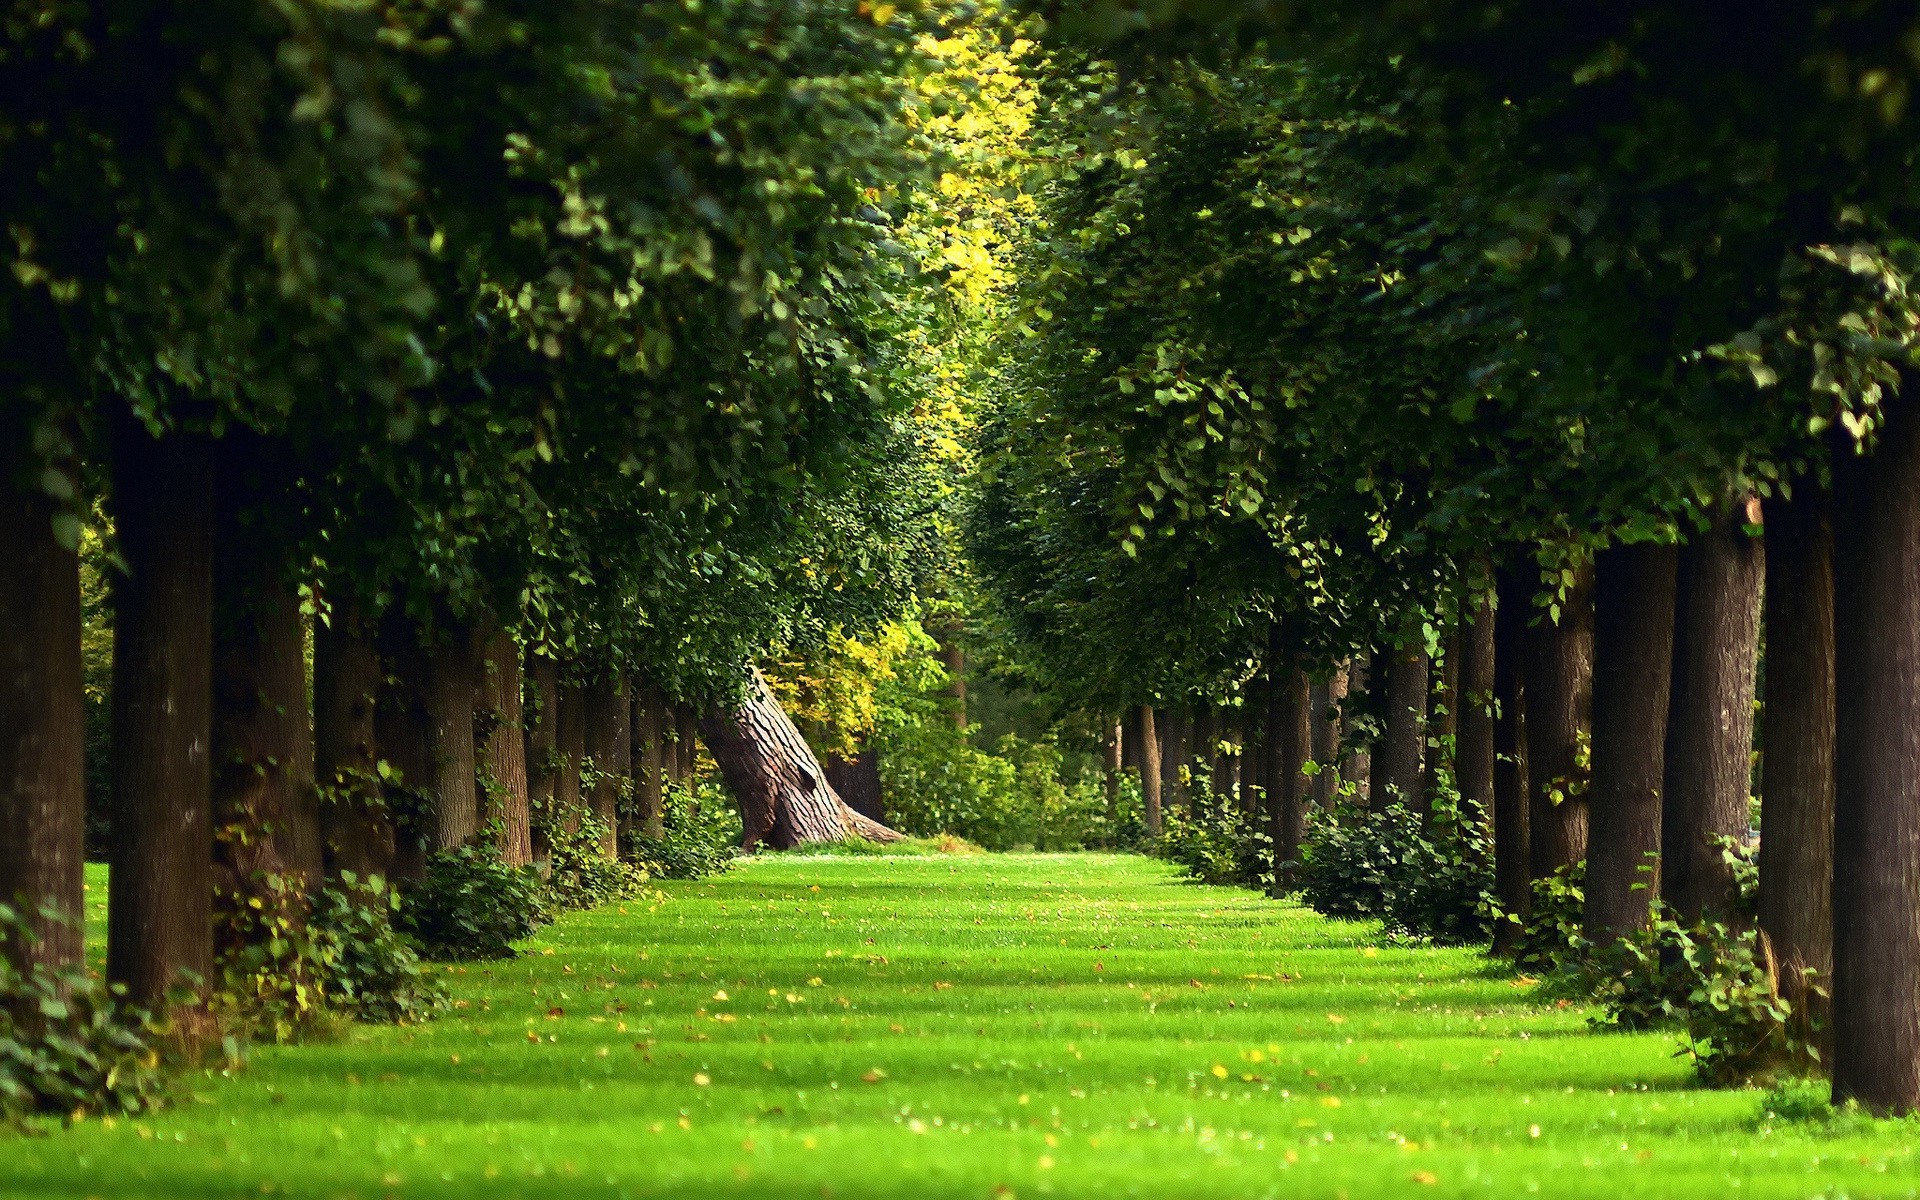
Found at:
<point>1403,334</point>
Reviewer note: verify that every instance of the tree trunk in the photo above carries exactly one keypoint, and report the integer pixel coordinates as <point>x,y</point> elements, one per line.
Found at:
<point>1323,717</point>
<point>1512,807</point>
<point>1559,667</point>
<point>649,714</point>
<point>570,730</point>
<point>451,688</point>
<point>954,657</point>
<point>784,797</point>
<point>543,747</point>
<point>1633,614</point>
<point>1115,755</point>
<point>160,908</point>
<point>42,732</point>
<point>1710,724</point>
<point>1175,755</point>
<point>356,829</point>
<point>1876,825</point>
<point>609,727</point>
<point>400,731</point>
<point>1403,749</point>
<point>1287,740</point>
<point>1443,720</point>
<point>1473,737</point>
<point>1796,724</point>
<point>1146,737</point>
<point>1203,737</point>
<point>1253,747</point>
<point>500,735</point>
<point>1358,768</point>
<point>687,749</point>
<point>857,780</point>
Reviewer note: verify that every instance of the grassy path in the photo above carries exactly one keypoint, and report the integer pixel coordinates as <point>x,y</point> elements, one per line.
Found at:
<point>973,1027</point>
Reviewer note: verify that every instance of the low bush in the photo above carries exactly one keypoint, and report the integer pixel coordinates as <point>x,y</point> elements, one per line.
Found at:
<point>579,873</point>
<point>1550,938</point>
<point>376,974</point>
<point>1431,880</point>
<point>1216,842</point>
<point>471,905</point>
<point>68,1045</point>
<point>937,781</point>
<point>700,834</point>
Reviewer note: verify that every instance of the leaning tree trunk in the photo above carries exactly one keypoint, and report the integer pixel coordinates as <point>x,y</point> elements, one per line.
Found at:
<point>1710,726</point>
<point>784,797</point>
<point>857,780</point>
<point>1404,746</point>
<point>357,832</point>
<point>42,731</point>
<point>543,747</point>
<point>649,714</point>
<point>1473,733</point>
<point>160,908</point>
<point>1287,741</point>
<point>1796,724</point>
<point>609,745</point>
<point>1633,612</point>
<point>502,745</point>
<point>1559,667</point>
<point>1144,736</point>
<point>1512,806</point>
<point>1876,815</point>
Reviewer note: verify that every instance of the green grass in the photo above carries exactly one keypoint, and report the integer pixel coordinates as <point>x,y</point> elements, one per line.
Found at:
<point>974,1026</point>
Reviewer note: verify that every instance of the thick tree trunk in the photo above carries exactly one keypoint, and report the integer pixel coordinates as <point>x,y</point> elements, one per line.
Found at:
<point>1403,749</point>
<point>954,658</point>
<point>784,797</point>
<point>1203,738</point>
<point>570,730</point>
<point>1146,737</point>
<point>649,764</point>
<point>1512,805</point>
<point>499,732</point>
<point>1473,736</point>
<point>160,908</point>
<point>1559,667</point>
<point>1876,844</point>
<point>1358,768</point>
<point>687,749</point>
<point>451,687</point>
<point>1633,614</point>
<point>400,730</point>
<point>609,729</point>
<point>543,747</point>
<point>266,808</point>
<point>42,731</point>
<point>1175,755</point>
<point>1324,722</point>
<point>1287,740</point>
<point>1710,723</point>
<point>857,780</point>
<point>357,831</point>
<point>1443,720</point>
<point>1796,724</point>
<point>1253,747</point>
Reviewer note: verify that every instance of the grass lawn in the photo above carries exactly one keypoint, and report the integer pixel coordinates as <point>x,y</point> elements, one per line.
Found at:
<point>984,1026</point>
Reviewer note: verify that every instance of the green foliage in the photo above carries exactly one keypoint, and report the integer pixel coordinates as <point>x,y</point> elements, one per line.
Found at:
<point>1798,1100</point>
<point>579,873</point>
<point>1214,841</point>
<point>936,781</point>
<point>471,905</point>
<point>700,833</point>
<point>68,1044</point>
<point>375,973</point>
<point>1550,935</point>
<point>1431,880</point>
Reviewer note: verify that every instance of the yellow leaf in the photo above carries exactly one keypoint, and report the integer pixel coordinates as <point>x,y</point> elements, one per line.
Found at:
<point>1219,1072</point>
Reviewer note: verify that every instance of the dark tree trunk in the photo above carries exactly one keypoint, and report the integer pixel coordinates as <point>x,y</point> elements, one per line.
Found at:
<point>1175,755</point>
<point>542,719</point>
<point>1796,724</point>
<point>609,727</point>
<point>1403,749</point>
<point>1147,739</point>
<point>1876,826</point>
<point>954,658</point>
<point>1115,747</point>
<point>1286,743</point>
<point>451,688</point>
<point>1633,614</point>
<point>1358,767</point>
<point>406,746</point>
<point>160,908</point>
<point>857,780</point>
<point>1512,806</point>
<point>569,795</point>
<point>1253,747</point>
<point>1709,766</point>
<point>501,744</point>
<point>1443,721</point>
<point>1324,722</point>
<point>356,829</point>
<point>784,797</point>
<point>649,714</point>
<point>42,731</point>
<point>1204,744</point>
<point>687,749</point>
<point>1473,736</point>
<point>1559,667</point>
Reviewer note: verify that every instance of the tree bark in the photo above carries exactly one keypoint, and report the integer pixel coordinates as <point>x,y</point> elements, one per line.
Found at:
<point>1559,667</point>
<point>1633,615</point>
<point>1287,740</point>
<point>687,749</point>
<point>1323,717</point>
<point>954,657</point>
<point>784,797</point>
<point>357,832</point>
<point>400,731</point>
<point>1512,805</point>
<point>1253,747</point>
<point>1175,755</point>
<point>1146,737</point>
<point>1797,731</point>
<point>451,688</point>
<point>1710,724</point>
<point>1876,846</point>
<point>1403,749</point>
<point>1443,719</point>
<point>160,908</point>
<point>1358,768</point>
<point>570,730</point>
<point>1115,755</point>
<point>1473,737</point>
<point>502,746</point>
<point>543,747</point>
<point>649,713</point>
<point>42,732</point>
<point>609,728</point>
<point>857,780</point>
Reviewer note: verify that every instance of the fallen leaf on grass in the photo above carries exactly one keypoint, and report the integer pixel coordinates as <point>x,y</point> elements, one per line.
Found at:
<point>1423,1177</point>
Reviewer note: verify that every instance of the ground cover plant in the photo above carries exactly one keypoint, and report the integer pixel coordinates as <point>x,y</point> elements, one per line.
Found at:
<point>973,1026</point>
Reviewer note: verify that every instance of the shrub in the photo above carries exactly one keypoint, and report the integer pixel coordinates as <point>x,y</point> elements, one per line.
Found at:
<point>700,834</point>
<point>1550,938</point>
<point>471,905</point>
<point>1799,1100</point>
<point>1348,858</point>
<point>580,875</point>
<point>67,1043</point>
<point>1215,842</point>
<point>270,966</point>
<point>937,781</point>
<point>1431,879</point>
<point>376,974</point>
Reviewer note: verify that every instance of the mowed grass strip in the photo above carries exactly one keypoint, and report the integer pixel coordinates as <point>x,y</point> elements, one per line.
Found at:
<point>977,1026</point>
